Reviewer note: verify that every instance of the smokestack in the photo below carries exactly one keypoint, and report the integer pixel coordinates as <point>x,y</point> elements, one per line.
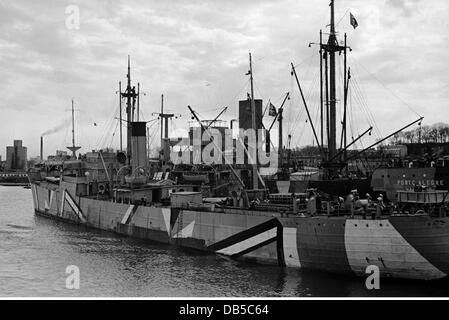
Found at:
<point>42,148</point>
<point>138,144</point>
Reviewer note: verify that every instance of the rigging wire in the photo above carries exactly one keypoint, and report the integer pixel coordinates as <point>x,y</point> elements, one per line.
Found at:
<point>350,114</point>
<point>108,129</point>
<point>366,110</point>
<point>305,60</point>
<point>344,15</point>
<point>339,89</point>
<point>257,89</point>
<point>113,135</point>
<point>311,98</point>
<point>306,76</point>
<point>153,133</point>
<point>388,89</point>
<point>244,86</point>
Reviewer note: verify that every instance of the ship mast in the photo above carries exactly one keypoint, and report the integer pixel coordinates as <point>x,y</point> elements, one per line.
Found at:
<point>333,46</point>
<point>164,130</point>
<point>73,126</point>
<point>73,148</point>
<point>253,122</point>
<point>330,49</point>
<point>120,114</point>
<point>162,121</point>
<point>130,95</point>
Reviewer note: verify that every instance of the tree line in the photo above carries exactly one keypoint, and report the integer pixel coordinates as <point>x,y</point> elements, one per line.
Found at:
<point>436,133</point>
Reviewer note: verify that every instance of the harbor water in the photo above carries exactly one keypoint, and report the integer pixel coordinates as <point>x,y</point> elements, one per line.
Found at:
<point>35,253</point>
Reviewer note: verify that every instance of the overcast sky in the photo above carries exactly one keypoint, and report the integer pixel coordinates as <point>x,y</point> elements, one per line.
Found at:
<point>196,53</point>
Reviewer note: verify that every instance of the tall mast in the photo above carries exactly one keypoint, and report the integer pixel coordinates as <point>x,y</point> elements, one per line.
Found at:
<point>326,80</point>
<point>327,52</point>
<point>130,95</point>
<point>281,143</point>
<point>164,129</point>
<point>148,143</point>
<point>129,112</point>
<point>332,44</point>
<point>138,100</point>
<point>253,122</point>
<point>120,114</point>
<point>321,89</point>
<point>162,121</point>
<point>345,101</point>
<point>73,148</point>
<point>73,125</point>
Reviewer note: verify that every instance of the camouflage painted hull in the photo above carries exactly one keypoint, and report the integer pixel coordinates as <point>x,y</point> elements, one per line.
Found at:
<point>413,247</point>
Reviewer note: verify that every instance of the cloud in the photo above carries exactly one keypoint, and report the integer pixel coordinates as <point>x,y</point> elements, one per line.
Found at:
<point>177,47</point>
<point>406,7</point>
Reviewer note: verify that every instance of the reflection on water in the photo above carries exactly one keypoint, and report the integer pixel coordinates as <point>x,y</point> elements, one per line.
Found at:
<point>35,251</point>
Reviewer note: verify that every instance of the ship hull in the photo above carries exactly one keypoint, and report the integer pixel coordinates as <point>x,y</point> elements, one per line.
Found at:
<point>391,180</point>
<point>413,247</point>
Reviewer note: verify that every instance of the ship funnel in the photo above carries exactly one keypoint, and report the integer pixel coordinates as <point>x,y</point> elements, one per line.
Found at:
<point>139,144</point>
<point>42,148</point>
<point>245,119</point>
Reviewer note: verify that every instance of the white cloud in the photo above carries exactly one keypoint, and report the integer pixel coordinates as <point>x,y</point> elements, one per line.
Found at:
<point>195,52</point>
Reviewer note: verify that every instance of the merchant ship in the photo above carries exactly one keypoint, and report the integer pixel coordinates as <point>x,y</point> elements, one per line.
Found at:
<point>116,191</point>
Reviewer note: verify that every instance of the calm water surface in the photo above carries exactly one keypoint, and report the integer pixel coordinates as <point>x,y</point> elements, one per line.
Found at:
<point>35,251</point>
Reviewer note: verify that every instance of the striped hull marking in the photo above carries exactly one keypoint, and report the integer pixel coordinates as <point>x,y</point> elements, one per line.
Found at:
<point>321,244</point>
<point>166,213</point>
<point>128,214</point>
<point>73,205</point>
<point>377,242</point>
<point>61,208</point>
<point>429,236</point>
<point>291,254</point>
<point>34,192</point>
<point>49,200</point>
<point>252,239</point>
<point>186,232</point>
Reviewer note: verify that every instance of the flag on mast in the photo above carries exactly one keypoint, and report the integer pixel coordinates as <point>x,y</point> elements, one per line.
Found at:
<point>271,110</point>
<point>353,21</point>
